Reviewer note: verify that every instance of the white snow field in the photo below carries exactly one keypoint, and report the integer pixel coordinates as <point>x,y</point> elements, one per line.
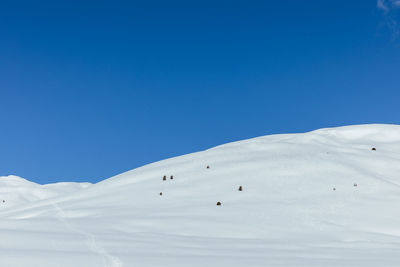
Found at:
<point>322,198</point>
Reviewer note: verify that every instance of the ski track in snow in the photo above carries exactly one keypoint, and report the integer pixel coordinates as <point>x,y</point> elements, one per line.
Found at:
<point>107,259</point>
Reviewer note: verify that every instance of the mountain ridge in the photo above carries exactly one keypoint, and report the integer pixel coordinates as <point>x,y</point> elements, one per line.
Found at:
<point>326,197</point>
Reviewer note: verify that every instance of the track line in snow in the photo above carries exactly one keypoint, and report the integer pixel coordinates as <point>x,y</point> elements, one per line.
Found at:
<point>107,259</point>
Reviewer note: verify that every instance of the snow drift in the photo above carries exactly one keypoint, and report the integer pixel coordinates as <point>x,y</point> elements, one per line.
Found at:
<point>324,198</point>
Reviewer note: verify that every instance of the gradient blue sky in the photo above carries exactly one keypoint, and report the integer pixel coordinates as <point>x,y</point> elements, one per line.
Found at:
<point>90,89</point>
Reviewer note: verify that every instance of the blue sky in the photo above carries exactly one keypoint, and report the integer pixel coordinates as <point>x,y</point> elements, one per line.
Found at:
<point>90,89</point>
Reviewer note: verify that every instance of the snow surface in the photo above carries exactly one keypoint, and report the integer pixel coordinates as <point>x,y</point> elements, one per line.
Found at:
<point>299,207</point>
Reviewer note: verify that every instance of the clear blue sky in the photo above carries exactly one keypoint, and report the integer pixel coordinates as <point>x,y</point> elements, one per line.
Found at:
<point>90,89</point>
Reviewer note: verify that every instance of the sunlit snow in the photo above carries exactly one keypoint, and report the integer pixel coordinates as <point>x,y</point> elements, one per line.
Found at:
<point>323,198</point>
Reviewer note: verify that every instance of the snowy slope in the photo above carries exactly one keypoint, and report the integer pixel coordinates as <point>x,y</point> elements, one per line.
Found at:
<point>322,198</point>
<point>16,191</point>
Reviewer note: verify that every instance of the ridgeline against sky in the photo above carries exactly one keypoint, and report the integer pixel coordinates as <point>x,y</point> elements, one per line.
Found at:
<point>92,89</point>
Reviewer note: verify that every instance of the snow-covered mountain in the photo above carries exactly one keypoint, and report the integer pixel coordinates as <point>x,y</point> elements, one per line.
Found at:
<point>330,197</point>
<point>16,191</point>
